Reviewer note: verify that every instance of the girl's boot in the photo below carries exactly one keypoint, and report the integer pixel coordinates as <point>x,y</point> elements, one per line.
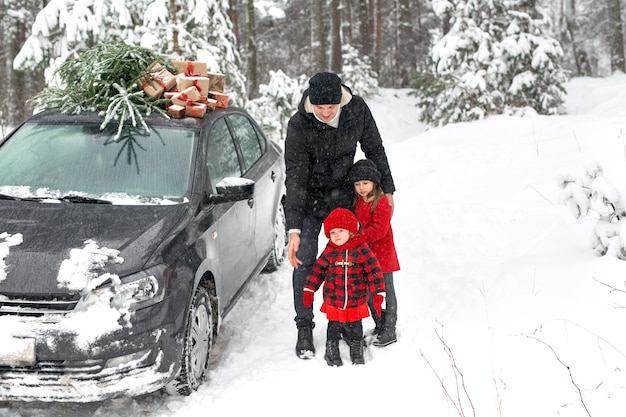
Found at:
<point>332,356</point>
<point>356,351</point>
<point>388,334</point>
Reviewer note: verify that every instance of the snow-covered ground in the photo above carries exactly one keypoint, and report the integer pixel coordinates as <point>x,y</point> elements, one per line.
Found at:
<point>504,309</point>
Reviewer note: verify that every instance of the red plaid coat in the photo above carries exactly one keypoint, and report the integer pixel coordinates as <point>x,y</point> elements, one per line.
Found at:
<point>349,272</point>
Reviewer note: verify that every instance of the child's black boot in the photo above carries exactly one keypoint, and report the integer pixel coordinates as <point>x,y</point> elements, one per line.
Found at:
<point>332,356</point>
<point>356,351</point>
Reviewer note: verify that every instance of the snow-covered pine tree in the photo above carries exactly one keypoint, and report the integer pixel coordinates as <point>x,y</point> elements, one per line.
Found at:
<point>496,57</point>
<point>592,195</point>
<point>278,100</point>
<point>357,73</point>
<point>467,64</point>
<point>65,27</point>
<point>534,75</point>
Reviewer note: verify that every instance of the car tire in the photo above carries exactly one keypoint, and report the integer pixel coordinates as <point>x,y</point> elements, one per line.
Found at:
<point>279,242</point>
<point>197,346</point>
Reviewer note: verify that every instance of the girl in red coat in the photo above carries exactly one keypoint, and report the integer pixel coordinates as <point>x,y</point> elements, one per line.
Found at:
<point>350,273</point>
<point>374,214</point>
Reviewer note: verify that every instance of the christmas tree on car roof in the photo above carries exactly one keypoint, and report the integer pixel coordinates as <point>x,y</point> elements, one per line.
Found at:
<point>125,82</point>
<point>107,79</point>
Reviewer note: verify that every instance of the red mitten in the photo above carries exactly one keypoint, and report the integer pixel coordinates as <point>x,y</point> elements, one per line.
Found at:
<point>378,302</point>
<point>307,298</point>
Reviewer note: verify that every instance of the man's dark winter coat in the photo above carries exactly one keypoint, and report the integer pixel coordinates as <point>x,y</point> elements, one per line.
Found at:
<point>318,158</point>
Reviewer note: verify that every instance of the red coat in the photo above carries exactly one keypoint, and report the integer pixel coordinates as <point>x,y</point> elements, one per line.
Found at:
<point>377,232</point>
<point>349,272</point>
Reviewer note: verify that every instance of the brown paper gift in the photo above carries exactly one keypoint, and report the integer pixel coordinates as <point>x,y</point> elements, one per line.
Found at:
<point>191,68</point>
<point>187,96</point>
<point>152,88</point>
<point>195,110</point>
<point>176,111</point>
<point>218,82</point>
<point>160,74</point>
<point>220,98</point>
<point>211,104</point>
<point>201,83</point>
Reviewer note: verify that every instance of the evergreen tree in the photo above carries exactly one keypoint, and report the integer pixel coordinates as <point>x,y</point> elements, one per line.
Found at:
<point>468,65</point>
<point>496,57</point>
<point>357,73</point>
<point>65,27</point>
<point>278,101</point>
<point>534,76</point>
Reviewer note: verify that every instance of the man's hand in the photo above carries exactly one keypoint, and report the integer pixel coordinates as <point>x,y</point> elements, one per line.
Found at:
<point>391,203</point>
<point>292,249</point>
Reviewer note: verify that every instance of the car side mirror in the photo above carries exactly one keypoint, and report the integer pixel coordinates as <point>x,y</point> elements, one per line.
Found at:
<point>232,189</point>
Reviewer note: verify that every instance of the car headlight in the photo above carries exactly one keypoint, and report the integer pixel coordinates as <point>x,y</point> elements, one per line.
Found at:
<point>138,291</point>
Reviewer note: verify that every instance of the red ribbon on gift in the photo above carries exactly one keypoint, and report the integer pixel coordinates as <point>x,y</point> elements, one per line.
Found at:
<point>190,69</point>
<point>189,102</point>
<point>183,96</point>
<point>195,84</point>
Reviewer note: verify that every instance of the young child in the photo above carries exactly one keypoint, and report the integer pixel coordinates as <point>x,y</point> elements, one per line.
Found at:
<point>374,214</point>
<point>350,272</point>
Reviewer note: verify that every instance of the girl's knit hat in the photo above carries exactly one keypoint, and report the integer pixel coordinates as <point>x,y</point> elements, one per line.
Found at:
<point>341,218</point>
<point>365,169</point>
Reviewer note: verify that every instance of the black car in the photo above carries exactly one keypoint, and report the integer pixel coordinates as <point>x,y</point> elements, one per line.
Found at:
<point>121,250</point>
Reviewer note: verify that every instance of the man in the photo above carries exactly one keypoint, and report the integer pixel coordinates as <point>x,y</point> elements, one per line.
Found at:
<point>319,151</point>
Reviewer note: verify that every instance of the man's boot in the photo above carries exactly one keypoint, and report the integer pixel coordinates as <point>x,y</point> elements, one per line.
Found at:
<point>356,351</point>
<point>333,358</point>
<point>304,346</point>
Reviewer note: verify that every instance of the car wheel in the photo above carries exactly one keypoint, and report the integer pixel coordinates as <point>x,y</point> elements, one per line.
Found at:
<point>279,242</point>
<point>197,345</point>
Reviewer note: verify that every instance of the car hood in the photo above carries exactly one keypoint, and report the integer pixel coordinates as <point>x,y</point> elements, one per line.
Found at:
<point>35,238</point>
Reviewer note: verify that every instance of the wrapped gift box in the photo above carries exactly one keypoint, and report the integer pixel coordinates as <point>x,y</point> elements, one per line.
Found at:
<point>220,98</point>
<point>201,83</point>
<point>211,104</point>
<point>176,111</point>
<point>160,74</point>
<point>152,88</point>
<point>196,110</point>
<point>187,96</point>
<point>218,82</point>
<point>191,68</point>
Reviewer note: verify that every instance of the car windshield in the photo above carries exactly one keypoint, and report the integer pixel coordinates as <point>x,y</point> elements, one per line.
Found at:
<point>52,160</point>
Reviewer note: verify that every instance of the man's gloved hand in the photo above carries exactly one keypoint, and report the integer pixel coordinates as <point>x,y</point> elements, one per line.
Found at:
<point>307,298</point>
<point>378,302</point>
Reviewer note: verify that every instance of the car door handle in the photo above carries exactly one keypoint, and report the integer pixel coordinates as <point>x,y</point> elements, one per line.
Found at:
<point>273,176</point>
<point>251,202</point>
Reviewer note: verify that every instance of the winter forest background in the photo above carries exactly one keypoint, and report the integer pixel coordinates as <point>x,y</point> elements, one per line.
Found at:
<point>463,59</point>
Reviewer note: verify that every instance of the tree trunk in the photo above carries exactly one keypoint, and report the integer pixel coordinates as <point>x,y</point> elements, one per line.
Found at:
<point>406,59</point>
<point>175,46</point>
<point>378,33</point>
<point>346,25</point>
<point>616,35</point>
<point>233,13</point>
<point>365,28</point>
<point>583,66</point>
<point>318,39</point>
<point>335,36</point>
<point>253,84</point>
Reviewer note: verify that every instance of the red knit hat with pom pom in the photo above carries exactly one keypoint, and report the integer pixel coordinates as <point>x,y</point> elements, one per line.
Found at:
<point>341,218</point>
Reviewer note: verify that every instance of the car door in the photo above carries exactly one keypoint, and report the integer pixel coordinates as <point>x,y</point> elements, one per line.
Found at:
<point>259,168</point>
<point>235,224</point>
